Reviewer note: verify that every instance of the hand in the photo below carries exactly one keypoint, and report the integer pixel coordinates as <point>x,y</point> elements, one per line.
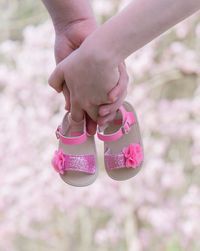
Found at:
<point>68,38</point>
<point>73,22</point>
<point>66,42</point>
<point>107,112</point>
<point>87,80</point>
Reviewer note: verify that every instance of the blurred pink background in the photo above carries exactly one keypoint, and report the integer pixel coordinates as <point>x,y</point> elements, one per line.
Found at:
<point>159,209</point>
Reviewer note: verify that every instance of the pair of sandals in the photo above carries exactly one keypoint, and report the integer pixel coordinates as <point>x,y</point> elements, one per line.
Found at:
<point>76,158</point>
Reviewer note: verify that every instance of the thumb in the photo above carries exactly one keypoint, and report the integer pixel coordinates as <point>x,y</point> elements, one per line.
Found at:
<point>57,79</point>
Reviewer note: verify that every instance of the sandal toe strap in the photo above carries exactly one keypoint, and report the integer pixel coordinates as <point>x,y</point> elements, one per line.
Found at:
<point>130,157</point>
<point>67,162</point>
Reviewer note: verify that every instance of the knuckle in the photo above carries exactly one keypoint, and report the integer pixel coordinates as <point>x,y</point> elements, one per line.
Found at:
<point>50,82</point>
<point>53,86</point>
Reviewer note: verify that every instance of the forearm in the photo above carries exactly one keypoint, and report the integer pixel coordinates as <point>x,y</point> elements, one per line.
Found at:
<point>139,23</point>
<point>64,12</point>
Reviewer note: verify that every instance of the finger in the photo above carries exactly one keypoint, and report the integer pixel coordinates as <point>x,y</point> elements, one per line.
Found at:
<point>114,94</point>
<point>91,125</point>
<point>111,110</point>
<point>61,53</point>
<point>66,94</point>
<point>102,121</point>
<point>106,109</point>
<point>92,111</point>
<point>56,79</point>
<point>77,113</point>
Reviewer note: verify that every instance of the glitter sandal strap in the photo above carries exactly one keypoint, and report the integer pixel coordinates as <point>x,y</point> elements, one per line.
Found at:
<point>130,157</point>
<point>67,162</point>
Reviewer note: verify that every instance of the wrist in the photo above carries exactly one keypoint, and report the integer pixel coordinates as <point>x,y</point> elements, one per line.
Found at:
<point>99,52</point>
<point>98,63</point>
<point>63,25</point>
<point>65,12</point>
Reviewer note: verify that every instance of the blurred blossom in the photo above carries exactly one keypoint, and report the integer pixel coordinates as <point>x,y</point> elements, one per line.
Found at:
<point>108,235</point>
<point>103,7</point>
<point>182,29</point>
<point>160,203</point>
<point>198,30</point>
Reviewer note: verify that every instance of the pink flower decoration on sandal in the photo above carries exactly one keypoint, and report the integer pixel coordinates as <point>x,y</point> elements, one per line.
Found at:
<point>133,155</point>
<point>58,161</point>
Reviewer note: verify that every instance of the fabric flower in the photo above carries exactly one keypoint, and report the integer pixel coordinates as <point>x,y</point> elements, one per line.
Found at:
<point>133,155</point>
<point>58,161</point>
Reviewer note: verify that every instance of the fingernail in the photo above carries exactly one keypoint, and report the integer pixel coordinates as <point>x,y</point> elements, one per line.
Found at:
<point>114,99</point>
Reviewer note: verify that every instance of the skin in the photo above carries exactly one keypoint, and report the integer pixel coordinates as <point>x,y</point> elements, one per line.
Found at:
<point>73,22</point>
<point>102,51</point>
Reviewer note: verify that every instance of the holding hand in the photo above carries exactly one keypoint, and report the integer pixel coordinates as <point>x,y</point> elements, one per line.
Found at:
<point>69,36</point>
<point>73,23</point>
<point>88,80</point>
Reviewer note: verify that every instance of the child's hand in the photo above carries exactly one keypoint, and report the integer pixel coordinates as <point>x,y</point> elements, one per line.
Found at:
<point>88,81</point>
<point>68,38</point>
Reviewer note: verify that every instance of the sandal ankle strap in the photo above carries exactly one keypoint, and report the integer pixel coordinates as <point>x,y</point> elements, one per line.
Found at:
<point>128,119</point>
<point>67,140</point>
<point>70,140</point>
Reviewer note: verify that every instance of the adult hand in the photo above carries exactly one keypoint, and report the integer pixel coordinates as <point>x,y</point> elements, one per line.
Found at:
<point>68,38</point>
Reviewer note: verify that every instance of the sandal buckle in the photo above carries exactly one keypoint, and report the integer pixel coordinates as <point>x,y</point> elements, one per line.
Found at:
<point>125,128</point>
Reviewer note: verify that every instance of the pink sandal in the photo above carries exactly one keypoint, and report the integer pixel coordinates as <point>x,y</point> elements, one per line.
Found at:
<point>75,160</point>
<point>123,149</point>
